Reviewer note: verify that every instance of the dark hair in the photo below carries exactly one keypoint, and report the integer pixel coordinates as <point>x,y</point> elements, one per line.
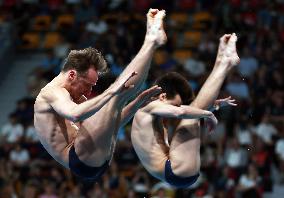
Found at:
<point>173,83</point>
<point>82,60</point>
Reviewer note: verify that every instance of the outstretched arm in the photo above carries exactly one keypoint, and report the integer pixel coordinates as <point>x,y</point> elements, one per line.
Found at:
<point>183,112</point>
<point>61,101</point>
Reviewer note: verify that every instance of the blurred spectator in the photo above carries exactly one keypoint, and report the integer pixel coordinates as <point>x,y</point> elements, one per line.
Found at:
<point>84,12</point>
<point>194,66</point>
<point>48,191</point>
<point>163,189</point>
<point>73,1</point>
<point>223,183</point>
<point>30,191</point>
<point>248,64</point>
<point>51,64</point>
<point>61,51</point>
<point>237,87</point>
<point>265,130</point>
<point>75,192</point>
<point>96,26</point>
<point>7,189</point>
<point>36,80</point>
<point>12,131</point>
<point>244,133</point>
<point>115,182</point>
<point>19,156</point>
<point>31,134</point>
<point>249,183</point>
<point>24,111</point>
<point>97,191</point>
<point>251,133</point>
<point>235,156</point>
<point>279,148</point>
<point>141,183</point>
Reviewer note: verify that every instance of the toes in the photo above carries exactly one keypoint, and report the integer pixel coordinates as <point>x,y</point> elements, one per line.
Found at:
<point>152,12</point>
<point>225,37</point>
<point>161,14</point>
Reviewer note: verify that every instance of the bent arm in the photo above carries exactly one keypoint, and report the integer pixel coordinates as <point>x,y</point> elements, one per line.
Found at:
<point>61,102</point>
<point>129,111</point>
<point>141,100</point>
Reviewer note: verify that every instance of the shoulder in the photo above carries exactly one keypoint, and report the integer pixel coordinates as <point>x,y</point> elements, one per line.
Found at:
<point>51,93</point>
<point>152,105</point>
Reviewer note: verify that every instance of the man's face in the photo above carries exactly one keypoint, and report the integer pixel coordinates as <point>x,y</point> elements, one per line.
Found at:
<point>82,85</point>
<point>176,101</point>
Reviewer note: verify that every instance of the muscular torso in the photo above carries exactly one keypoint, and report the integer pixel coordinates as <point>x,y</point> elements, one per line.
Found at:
<point>148,138</point>
<point>149,143</point>
<point>55,133</point>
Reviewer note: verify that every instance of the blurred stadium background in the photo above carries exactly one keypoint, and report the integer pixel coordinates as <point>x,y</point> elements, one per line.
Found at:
<point>243,158</point>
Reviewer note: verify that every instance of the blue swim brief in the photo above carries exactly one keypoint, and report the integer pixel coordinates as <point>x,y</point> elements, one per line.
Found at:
<point>177,181</point>
<point>84,171</point>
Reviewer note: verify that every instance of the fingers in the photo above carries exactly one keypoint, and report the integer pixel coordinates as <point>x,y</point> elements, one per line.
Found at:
<point>152,91</point>
<point>130,76</point>
<point>124,85</point>
<point>230,101</point>
<point>128,86</point>
<point>211,123</point>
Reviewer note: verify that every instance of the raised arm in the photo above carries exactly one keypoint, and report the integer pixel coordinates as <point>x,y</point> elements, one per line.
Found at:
<point>61,101</point>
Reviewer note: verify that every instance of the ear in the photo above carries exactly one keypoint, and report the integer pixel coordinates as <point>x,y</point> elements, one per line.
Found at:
<point>162,96</point>
<point>72,74</point>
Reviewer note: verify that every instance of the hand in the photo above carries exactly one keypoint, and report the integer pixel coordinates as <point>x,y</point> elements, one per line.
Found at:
<point>224,102</point>
<point>155,27</point>
<point>121,84</point>
<point>211,123</point>
<point>148,95</point>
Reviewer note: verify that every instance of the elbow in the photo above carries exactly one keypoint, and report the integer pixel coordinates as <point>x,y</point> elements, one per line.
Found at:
<point>75,119</point>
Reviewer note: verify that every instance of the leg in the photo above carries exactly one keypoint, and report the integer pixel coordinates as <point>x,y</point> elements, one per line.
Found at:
<point>155,36</point>
<point>150,147</point>
<point>94,142</point>
<point>227,57</point>
<point>184,149</point>
<point>96,139</point>
<point>185,145</point>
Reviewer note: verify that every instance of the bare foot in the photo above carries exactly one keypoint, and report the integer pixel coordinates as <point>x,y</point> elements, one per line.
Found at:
<point>155,27</point>
<point>227,51</point>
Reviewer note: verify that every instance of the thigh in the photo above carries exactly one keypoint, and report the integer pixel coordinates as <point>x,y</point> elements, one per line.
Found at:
<point>185,148</point>
<point>151,150</point>
<point>96,137</point>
